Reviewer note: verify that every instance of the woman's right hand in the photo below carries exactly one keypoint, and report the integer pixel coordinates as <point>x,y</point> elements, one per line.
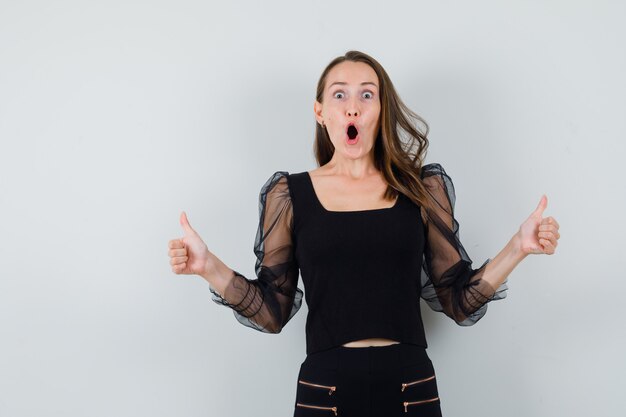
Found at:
<point>189,254</point>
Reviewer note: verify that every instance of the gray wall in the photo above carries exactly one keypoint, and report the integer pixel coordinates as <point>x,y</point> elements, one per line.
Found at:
<point>116,116</point>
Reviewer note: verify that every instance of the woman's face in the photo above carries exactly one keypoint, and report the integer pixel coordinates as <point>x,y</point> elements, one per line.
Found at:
<point>350,98</point>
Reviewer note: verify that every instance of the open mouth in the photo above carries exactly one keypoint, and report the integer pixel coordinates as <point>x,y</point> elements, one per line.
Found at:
<point>352,131</point>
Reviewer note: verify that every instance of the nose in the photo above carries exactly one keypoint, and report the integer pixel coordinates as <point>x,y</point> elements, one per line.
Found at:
<point>351,110</point>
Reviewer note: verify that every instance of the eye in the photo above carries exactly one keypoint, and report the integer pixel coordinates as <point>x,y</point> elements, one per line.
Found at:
<point>338,92</point>
<point>370,93</point>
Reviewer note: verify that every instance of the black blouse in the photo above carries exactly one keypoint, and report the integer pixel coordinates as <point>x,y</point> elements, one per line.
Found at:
<point>364,271</point>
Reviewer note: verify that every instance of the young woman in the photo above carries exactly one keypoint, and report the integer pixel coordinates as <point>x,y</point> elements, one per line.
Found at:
<point>371,231</point>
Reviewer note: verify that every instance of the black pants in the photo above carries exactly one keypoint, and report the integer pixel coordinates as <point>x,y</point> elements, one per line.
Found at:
<point>375,381</point>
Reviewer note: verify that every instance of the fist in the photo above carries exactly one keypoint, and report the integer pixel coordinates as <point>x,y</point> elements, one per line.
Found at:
<point>538,234</point>
<point>189,254</point>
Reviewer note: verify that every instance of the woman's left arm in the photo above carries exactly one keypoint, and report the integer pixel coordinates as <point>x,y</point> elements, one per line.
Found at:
<point>537,235</point>
<point>449,281</point>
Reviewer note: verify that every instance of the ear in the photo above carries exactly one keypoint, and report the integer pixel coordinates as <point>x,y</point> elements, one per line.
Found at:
<point>317,109</point>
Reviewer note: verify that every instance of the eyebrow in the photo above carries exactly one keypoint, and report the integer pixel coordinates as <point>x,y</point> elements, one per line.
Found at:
<point>344,83</point>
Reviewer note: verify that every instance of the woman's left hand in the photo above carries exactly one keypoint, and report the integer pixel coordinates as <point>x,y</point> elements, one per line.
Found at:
<point>539,235</point>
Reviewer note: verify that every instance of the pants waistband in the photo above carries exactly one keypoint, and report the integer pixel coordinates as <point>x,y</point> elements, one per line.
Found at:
<point>370,357</point>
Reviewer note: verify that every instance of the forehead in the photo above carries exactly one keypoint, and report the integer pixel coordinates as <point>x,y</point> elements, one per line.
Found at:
<point>352,73</point>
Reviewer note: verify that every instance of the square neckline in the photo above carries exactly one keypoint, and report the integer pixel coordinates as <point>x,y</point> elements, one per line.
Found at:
<point>319,203</point>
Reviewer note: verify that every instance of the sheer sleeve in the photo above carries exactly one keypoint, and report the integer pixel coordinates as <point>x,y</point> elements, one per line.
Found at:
<point>449,283</point>
<point>268,302</point>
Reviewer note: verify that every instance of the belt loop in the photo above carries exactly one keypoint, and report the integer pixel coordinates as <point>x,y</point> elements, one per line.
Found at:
<point>404,354</point>
<point>337,357</point>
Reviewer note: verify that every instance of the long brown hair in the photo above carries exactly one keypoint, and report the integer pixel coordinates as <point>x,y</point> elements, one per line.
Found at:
<point>398,156</point>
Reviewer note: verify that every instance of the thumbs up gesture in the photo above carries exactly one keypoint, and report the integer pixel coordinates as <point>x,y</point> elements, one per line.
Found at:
<point>538,234</point>
<point>189,254</point>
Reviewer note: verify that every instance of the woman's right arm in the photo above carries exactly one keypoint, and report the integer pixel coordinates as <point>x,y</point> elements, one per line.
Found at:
<point>268,302</point>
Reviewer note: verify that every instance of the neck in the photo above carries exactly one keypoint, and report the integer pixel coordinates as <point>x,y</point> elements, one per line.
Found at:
<point>353,168</point>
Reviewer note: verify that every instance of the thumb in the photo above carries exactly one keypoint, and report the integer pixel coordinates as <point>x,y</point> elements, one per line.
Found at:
<point>543,203</point>
<point>185,224</point>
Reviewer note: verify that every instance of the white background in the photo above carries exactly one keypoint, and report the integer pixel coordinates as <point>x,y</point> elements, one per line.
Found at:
<point>115,116</point>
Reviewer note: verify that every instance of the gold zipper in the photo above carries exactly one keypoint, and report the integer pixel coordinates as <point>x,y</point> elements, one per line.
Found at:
<point>331,389</point>
<point>406,384</point>
<point>317,406</point>
<point>407,403</point>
